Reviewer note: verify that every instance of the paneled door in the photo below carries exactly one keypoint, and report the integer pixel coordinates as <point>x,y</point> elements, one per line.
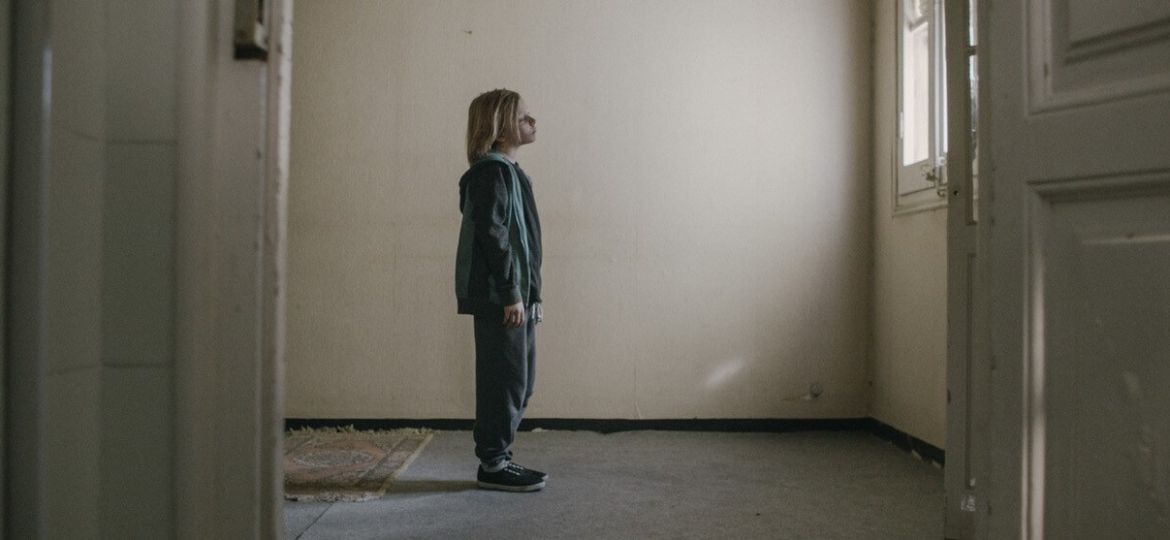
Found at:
<point>1076,196</point>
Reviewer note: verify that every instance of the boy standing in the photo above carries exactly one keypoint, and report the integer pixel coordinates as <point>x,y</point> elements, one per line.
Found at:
<point>497,281</point>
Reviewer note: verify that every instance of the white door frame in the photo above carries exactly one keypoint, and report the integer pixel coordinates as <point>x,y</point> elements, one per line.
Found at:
<point>229,294</point>
<point>5,179</point>
<point>25,284</point>
<point>968,361</point>
<point>962,282</point>
<point>274,290</point>
<point>230,245</point>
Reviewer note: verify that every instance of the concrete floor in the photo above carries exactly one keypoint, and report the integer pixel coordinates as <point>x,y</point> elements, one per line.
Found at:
<point>653,484</point>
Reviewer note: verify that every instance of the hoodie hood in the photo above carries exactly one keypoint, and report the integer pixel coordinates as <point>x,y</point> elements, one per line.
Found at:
<point>471,173</point>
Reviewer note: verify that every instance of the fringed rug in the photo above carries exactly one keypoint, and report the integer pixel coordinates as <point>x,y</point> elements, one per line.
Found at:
<point>345,464</point>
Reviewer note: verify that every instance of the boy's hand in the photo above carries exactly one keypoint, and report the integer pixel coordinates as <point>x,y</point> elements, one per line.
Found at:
<point>538,312</point>
<point>514,315</point>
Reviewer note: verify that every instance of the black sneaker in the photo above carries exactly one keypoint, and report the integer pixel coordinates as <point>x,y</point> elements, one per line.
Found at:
<point>534,472</point>
<point>511,478</point>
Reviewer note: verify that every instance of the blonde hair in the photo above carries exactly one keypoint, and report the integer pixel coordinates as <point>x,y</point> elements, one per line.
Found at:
<point>491,115</point>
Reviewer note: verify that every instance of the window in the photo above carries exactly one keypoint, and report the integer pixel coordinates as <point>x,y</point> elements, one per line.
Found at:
<point>920,175</point>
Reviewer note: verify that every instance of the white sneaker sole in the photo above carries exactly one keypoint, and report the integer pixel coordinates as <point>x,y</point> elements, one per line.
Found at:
<point>504,487</point>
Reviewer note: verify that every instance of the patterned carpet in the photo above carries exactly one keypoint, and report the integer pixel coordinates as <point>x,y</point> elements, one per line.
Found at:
<point>346,464</point>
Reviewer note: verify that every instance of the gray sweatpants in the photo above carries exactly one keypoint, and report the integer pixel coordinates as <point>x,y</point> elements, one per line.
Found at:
<point>505,368</point>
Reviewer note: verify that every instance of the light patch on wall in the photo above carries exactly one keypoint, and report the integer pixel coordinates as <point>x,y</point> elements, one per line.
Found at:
<point>725,371</point>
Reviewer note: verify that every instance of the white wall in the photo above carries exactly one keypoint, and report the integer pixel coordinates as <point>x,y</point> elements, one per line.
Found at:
<point>909,280</point>
<point>703,175</point>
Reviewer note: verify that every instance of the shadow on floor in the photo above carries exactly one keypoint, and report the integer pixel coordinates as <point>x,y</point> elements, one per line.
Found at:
<point>430,486</point>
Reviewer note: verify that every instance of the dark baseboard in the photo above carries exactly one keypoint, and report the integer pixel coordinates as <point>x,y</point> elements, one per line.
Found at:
<point>369,424</point>
<point>773,425</point>
<point>603,425</point>
<point>903,440</point>
<point>907,442</point>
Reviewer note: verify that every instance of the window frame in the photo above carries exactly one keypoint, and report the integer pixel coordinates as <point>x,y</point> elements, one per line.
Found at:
<point>921,185</point>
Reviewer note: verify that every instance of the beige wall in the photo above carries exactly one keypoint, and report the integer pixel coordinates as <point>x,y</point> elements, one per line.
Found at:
<point>703,175</point>
<point>909,281</point>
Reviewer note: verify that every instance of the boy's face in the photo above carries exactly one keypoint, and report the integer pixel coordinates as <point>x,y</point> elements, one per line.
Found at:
<point>526,122</point>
